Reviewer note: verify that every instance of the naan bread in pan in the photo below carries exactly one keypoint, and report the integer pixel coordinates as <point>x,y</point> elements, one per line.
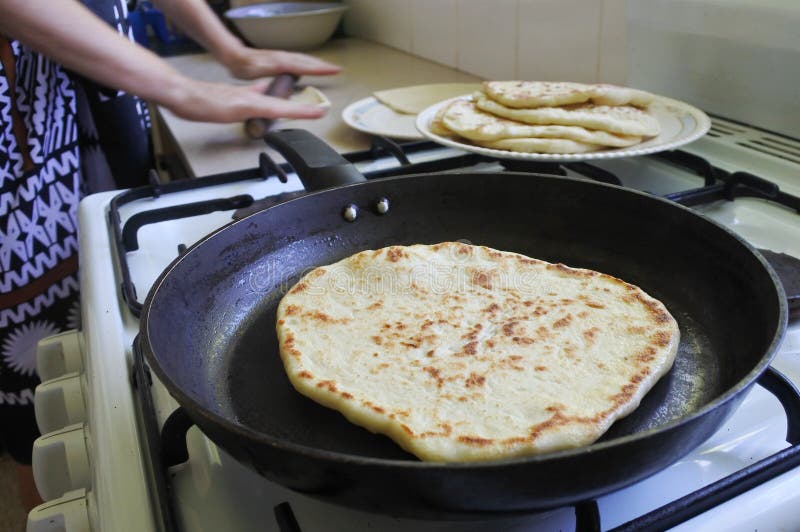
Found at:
<point>526,94</point>
<point>623,119</point>
<point>465,119</point>
<point>465,353</point>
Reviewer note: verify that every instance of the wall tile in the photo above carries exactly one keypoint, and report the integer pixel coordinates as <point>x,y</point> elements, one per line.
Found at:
<point>433,30</point>
<point>613,61</point>
<point>558,40</point>
<point>355,19</point>
<point>487,38</point>
<point>386,22</point>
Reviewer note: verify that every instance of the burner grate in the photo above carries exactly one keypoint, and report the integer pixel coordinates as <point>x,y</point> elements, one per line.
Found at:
<point>736,185</point>
<point>125,235</point>
<point>168,447</point>
<point>718,184</point>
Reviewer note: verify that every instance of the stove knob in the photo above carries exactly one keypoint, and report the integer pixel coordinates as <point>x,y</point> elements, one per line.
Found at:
<point>59,354</point>
<point>59,402</point>
<point>61,462</point>
<point>65,514</point>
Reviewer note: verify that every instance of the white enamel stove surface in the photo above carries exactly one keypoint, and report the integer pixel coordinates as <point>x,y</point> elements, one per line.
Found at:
<point>92,456</point>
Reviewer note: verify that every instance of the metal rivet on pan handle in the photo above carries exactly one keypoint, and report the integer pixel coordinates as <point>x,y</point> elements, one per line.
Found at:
<point>350,213</point>
<point>382,206</point>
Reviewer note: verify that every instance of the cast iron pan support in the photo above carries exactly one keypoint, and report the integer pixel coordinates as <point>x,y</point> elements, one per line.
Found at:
<point>739,482</point>
<point>380,143</point>
<point>341,173</point>
<point>172,446</point>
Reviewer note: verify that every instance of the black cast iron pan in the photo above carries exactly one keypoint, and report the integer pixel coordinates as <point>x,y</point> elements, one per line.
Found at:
<point>208,329</point>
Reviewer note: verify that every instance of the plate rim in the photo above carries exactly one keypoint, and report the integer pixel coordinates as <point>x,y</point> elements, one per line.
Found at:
<point>702,121</point>
<point>347,116</point>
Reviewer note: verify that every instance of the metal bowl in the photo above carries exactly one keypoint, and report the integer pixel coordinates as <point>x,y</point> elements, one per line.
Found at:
<point>287,25</point>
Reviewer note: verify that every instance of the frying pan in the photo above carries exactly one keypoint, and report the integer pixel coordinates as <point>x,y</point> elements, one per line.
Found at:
<point>208,328</point>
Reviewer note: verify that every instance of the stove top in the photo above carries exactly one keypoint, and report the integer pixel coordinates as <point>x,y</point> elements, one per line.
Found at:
<point>744,477</point>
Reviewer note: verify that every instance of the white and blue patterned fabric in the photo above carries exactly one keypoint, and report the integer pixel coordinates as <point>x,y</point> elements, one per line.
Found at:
<point>56,145</point>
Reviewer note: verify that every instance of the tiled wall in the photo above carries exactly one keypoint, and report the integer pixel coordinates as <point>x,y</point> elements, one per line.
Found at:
<point>740,60</point>
<point>576,40</point>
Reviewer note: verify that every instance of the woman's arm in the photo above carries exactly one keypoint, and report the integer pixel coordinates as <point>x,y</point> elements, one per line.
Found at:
<point>198,21</point>
<point>70,34</point>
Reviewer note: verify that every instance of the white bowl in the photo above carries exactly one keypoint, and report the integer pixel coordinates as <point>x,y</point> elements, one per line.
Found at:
<point>287,25</point>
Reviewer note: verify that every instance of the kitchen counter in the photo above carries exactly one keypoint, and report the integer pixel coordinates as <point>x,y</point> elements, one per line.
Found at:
<point>206,148</point>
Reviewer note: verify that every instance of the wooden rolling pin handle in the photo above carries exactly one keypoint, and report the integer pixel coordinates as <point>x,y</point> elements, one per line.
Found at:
<point>281,86</point>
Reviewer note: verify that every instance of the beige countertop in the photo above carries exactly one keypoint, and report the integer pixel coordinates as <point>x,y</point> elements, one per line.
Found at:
<point>207,148</point>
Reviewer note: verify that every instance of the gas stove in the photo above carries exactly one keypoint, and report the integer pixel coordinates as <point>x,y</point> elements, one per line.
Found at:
<point>114,457</point>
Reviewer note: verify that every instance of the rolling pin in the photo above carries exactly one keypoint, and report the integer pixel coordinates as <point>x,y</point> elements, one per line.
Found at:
<point>281,86</point>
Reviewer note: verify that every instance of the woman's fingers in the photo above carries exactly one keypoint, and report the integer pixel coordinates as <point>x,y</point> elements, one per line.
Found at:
<point>219,102</point>
<point>253,63</point>
<point>306,64</point>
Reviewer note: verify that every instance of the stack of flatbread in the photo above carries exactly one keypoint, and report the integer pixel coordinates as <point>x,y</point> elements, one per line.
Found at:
<point>549,117</point>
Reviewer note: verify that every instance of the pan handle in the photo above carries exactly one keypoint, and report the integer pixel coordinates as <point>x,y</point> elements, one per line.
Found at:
<point>317,164</point>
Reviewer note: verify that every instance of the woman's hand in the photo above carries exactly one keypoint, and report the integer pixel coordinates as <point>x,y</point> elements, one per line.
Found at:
<point>76,38</point>
<point>221,102</point>
<point>196,19</point>
<point>253,63</point>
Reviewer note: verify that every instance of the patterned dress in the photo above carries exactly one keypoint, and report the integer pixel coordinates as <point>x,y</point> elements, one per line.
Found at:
<point>61,137</point>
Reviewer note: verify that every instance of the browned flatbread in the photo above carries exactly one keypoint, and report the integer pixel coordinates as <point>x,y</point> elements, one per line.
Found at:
<point>527,94</point>
<point>464,353</point>
<point>620,119</point>
<point>465,119</point>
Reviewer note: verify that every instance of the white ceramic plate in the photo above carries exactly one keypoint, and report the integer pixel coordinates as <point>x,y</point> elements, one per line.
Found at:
<point>680,124</point>
<point>372,117</point>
